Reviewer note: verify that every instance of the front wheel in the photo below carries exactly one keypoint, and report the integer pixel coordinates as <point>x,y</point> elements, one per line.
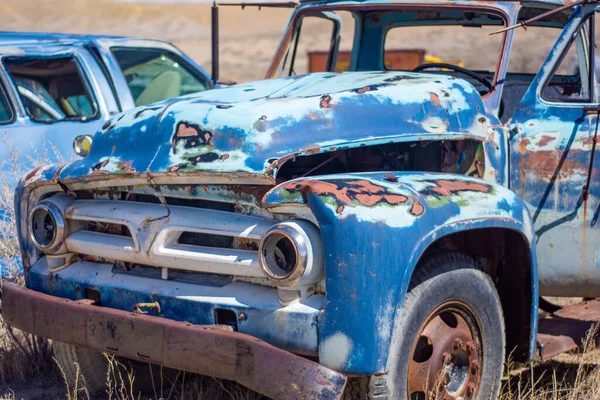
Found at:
<point>449,340</point>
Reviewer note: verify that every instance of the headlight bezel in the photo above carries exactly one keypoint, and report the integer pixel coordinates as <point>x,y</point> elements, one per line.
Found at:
<point>58,236</point>
<point>306,241</point>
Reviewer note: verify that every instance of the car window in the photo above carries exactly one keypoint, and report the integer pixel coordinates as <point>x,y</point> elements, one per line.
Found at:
<point>313,44</point>
<point>155,75</point>
<point>6,113</point>
<point>569,81</point>
<point>52,89</point>
<point>408,47</point>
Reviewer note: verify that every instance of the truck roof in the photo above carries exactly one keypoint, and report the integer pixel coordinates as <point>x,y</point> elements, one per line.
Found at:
<point>25,38</point>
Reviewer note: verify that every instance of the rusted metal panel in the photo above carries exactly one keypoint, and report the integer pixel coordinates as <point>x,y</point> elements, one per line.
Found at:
<point>567,328</point>
<point>208,350</point>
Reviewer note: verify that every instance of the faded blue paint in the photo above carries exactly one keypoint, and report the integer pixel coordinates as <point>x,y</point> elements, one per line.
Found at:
<point>195,303</point>
<point>249,128</point>
<point>368,268</point>
<point>375,227</point>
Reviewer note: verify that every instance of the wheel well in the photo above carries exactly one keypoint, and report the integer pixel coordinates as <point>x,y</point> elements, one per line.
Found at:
<point>504,254</point>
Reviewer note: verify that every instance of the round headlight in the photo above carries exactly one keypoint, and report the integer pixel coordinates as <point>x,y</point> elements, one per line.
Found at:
<point>47,227</point>
<point>291,253</point>
<point>82,145</point>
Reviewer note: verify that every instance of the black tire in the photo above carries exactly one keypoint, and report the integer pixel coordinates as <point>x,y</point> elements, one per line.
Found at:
<point>445,284</point>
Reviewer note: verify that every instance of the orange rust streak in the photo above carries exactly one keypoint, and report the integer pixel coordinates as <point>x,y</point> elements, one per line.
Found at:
<point>186,131</point>
<point>523,145</point>
<point>447,187</point>
<point>366,186</point>
<point>544,140</point>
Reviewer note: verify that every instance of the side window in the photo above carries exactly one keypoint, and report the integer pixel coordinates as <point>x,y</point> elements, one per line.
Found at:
<point>155,75</point>
<point>315,44</point>
<point>6,112</point>
<point>52,89</point>
<point>570,80</point>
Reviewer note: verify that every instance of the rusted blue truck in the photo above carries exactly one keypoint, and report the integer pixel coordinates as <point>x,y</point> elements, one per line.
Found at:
<point>370,234</point>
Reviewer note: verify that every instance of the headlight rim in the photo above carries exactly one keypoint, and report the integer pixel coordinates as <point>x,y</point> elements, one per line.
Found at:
<point>60,227</point>
<point>303,247</point>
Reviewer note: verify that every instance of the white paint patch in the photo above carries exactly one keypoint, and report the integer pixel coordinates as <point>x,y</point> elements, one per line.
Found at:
<point>335,350</point>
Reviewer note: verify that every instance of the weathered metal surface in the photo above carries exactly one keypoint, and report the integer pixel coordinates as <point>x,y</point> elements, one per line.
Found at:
<point>253,128</point>
<point>567,328</point>
<point>376,225</point>
<point>551,146</point>
<point>446,359</point>
<point>207,350</point>
<point>373,274</point>
<point>190,298</point>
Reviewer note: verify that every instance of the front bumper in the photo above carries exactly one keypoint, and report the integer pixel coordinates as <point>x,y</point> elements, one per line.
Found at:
<point>207,350</point>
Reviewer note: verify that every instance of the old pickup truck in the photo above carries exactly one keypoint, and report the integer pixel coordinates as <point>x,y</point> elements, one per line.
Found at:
<point>374,233</point>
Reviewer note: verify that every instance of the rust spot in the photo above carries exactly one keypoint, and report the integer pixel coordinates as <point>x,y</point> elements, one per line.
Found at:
<point>340,209</point>
<point>192,135</point>
<point>391,178</point>
<point>31,173</point>
<point>545,140</point>
<point>225,156</point>
<point>435,99</point>
<point>313,149</point>
<point>523,145</point>
<point>185,130</point>
<point>543,164</point>
<point>481,119</point>
<point>363,89</point>
<point>174,168</point>
<point>126,165</point>
<point>448,187</point>
<point>417,208</point>
<point>325,101</point>
<point>223,106</point>
<point>346,193</point>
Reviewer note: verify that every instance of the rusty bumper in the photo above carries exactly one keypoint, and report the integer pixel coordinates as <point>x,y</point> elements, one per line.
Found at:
<point>207,350</point>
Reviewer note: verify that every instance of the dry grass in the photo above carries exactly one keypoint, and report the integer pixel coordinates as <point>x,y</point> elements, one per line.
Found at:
<point>24,358</point>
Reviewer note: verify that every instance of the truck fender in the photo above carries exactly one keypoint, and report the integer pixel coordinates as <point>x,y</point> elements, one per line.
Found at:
<point>375,228</point>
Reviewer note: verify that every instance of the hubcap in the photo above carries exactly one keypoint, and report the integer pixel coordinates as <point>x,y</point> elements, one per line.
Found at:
<point>446,356</point>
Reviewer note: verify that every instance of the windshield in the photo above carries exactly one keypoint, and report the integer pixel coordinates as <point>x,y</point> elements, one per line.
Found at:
<point>456,42</point>
<point>155,75</point>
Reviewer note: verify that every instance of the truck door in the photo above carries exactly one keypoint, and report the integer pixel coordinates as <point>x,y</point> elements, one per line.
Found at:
<point>551,143</point>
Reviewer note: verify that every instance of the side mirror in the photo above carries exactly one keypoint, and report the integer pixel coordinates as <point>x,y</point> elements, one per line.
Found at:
<point>82,144</point>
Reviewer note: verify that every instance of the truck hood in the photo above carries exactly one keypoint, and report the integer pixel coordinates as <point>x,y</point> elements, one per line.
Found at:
<point>251,129</point>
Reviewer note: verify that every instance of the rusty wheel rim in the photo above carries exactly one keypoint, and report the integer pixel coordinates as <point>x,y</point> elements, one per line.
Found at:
<point>446,357</point>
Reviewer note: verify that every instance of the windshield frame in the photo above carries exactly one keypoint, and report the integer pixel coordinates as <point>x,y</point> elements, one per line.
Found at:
<point>507,11</point>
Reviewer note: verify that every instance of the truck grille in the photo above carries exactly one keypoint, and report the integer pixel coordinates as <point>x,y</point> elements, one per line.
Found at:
<point>189,235</point>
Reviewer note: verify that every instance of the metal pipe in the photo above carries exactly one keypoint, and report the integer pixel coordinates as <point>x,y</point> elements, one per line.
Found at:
<point>215,41</point>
